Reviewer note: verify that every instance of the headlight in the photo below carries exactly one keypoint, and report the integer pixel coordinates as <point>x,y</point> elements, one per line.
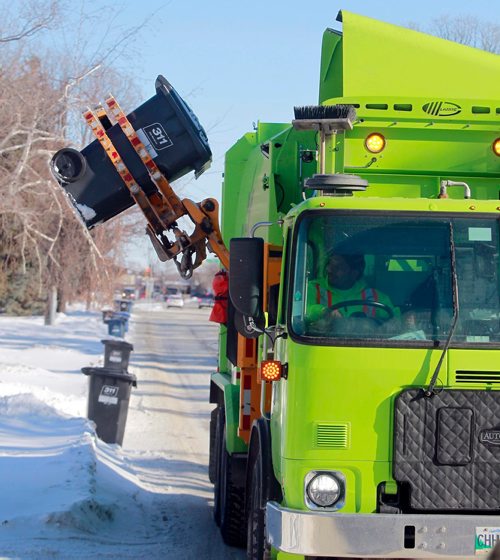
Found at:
<point>324,490</point>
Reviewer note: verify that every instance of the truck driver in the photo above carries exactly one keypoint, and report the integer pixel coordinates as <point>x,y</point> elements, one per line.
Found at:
<point>345,292</point>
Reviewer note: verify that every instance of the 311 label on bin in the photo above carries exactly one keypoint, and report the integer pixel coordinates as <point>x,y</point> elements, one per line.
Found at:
<point>158,136</point>
<point>108,395</point>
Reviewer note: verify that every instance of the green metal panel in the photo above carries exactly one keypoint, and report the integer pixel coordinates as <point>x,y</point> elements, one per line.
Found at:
<point>223,362</point>
<point>288,151</point>
<point>246,196</point>
<point>263,179</point>
<point>232,407</point>
<point>336,394</point>
<point>379,58</point>
<point>232,404</point>
<point>331,77</point>
<point>421,151</point>
<point>435,102</point>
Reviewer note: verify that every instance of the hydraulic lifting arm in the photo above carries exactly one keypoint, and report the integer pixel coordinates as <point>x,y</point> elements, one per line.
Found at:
<point>163,208</point>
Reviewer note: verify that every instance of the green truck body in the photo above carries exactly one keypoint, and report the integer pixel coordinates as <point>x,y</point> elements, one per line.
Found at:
<point>417,467</point>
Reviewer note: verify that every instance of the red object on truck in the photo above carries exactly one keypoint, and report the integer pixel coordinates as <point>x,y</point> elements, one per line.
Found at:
<point>220,286</point>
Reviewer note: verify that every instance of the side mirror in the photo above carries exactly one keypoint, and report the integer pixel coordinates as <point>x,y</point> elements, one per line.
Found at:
<point>246,262</point>
<point>249,327</point>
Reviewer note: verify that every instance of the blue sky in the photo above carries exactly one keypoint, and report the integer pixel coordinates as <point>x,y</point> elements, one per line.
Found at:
<point>239,62</point>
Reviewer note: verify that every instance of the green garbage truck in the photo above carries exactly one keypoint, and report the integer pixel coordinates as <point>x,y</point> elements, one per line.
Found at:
<point>358,411</point>
<point>357,401</point>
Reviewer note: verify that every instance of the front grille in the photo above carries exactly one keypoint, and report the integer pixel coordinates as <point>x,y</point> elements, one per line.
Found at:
<point>447,449</point>
<point>480,377</point>
<point>332,436</point>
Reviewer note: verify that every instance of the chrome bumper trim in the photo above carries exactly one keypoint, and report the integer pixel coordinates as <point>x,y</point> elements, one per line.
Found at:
<point>373,535</point>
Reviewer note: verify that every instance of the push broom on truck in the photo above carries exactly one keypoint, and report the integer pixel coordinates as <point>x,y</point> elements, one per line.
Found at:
<point>356,417</point>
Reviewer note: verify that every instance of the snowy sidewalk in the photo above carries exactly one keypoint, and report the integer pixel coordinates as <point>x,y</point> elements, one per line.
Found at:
<point>67,495</point>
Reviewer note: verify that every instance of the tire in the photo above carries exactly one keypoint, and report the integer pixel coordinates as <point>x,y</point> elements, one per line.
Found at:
<point>232,498</point>
<point>218,443</point>
<point>211,457</point>
<point>256,519</point>
<point>261,487</point>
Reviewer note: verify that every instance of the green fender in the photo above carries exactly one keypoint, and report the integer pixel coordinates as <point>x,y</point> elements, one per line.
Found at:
<point>234,444</point>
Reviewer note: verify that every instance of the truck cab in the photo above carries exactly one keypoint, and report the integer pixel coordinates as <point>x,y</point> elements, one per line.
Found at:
<point>386,423</point>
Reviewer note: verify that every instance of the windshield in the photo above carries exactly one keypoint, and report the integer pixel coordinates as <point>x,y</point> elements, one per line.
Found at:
<point>390,278</point>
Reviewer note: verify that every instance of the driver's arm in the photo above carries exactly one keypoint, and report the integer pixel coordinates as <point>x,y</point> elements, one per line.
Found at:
<point>315,311</point>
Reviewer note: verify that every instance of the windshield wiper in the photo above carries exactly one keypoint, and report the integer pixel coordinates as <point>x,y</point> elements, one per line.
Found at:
<point>456,307</point>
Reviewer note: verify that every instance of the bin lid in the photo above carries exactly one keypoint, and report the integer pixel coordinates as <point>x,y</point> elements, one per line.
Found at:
<point>190,122</point>
<point>107,372</point>
<point>117,342</point>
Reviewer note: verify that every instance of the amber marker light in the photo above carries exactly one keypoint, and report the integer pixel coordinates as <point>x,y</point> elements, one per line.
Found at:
<point>270,370</point>
<point>375,143</point>
<point>496,147</point>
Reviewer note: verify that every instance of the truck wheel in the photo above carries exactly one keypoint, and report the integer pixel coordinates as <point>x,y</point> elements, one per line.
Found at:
<point>211,457</point>
<point>256,520</point>
<point>232,498</point>
<point>218,443</point>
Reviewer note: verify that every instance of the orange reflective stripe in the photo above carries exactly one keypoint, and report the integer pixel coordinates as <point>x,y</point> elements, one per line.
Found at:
<point>370,294</point>
<point>320,295</point>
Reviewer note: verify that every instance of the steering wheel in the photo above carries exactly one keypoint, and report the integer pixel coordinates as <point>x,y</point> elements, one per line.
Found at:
<point>363,302</point>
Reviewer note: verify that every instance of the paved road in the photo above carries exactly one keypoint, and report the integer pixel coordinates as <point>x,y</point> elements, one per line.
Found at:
<point>167,429</point>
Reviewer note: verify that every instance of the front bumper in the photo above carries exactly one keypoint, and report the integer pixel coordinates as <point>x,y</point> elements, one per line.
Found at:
<point>374,535</point>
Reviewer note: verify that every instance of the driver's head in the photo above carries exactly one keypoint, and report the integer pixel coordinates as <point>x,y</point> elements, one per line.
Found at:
<point>344,271</point>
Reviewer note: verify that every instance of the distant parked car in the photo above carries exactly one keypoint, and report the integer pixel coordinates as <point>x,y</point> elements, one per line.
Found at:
<point>205,301</point>
<point>128,293</point>
<point>174,300</point>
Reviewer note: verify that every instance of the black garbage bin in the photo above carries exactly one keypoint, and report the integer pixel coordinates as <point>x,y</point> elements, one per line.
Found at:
<point>173,137</point>
<point>117,354</point>
<point>108,400</point>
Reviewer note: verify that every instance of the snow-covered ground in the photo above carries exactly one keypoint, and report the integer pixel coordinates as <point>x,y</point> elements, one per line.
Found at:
<point>66,494</point>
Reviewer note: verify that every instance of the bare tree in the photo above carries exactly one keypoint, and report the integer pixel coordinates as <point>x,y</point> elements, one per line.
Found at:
<point>466,30</point>
<point>42,243</point>
<point>30,18</point>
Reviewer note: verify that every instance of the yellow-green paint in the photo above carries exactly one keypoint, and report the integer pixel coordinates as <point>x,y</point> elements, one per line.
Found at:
<point>396,78</point>
<point>379,59</point>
